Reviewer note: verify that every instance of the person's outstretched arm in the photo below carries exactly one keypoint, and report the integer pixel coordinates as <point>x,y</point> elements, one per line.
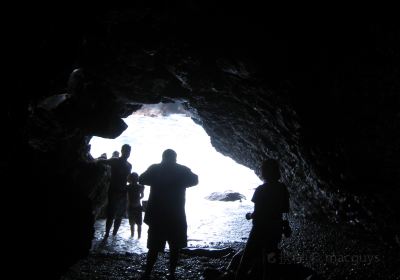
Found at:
<point>189,178</point>
<point>146,178</point>
<point>192,179</point>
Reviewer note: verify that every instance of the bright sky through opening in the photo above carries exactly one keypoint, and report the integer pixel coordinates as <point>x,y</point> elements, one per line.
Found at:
<point>150,134</point>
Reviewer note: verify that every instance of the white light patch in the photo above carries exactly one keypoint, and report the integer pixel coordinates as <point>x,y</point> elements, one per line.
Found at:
<point>149,136</point>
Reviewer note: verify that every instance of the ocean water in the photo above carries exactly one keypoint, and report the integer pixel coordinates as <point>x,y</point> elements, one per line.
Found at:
<point>215,222</point>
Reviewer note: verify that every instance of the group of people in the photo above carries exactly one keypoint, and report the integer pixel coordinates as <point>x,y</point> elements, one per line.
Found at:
<point>165,210</point>
<point>124,193</point>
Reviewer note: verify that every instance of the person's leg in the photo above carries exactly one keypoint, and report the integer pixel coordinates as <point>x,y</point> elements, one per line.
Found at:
<point>109,223</point>
<point>155,244</point>
<point>139,221</point>
<point>139,230</point>
<point>132,225</point>
<point>173,260</point>
<point>177,239</point>
<point>120,211</point>
<point>244,264</point>
<point>151,260</point>
<point>109,220</point>
<point>249,253</point>
<point>271,257</point>
<point>117,223</point>
<point>234,263</point>
<point>267,257</point>
<point>110,214</point>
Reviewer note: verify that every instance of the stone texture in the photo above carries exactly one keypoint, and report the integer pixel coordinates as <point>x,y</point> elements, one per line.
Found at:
<point>320,120</point>
<point>93,179</point>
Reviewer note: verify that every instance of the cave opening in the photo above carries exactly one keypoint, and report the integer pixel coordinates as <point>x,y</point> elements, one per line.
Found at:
<point>215,208</point>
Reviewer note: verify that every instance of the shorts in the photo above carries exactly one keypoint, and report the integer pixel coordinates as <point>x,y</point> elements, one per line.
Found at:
<point>116,207</point>
<point>135,215</point>
<point>175,236</point>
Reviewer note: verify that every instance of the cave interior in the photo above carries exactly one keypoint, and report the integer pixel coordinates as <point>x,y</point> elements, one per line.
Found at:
<point>320,97</point>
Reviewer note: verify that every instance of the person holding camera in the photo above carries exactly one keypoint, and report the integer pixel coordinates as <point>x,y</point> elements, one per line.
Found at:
<point>271,200</point>
<point>165,212</point>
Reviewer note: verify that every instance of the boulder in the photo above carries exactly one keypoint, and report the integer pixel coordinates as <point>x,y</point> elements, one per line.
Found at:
<point>225,196</point>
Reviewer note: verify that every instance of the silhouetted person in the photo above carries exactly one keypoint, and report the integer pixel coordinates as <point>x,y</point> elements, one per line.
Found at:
<point>102,156</point>
<point>165,211</point>
<point>271,200</point>
<point>135,194</point>
<point>115,154</point>
<point>120,169</point>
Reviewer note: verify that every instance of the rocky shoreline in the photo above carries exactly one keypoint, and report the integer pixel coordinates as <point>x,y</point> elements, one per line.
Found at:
<point>127,266</point>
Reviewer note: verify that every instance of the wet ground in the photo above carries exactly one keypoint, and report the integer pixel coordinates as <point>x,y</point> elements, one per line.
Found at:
<point>225,223</point>
<point>328,252</point>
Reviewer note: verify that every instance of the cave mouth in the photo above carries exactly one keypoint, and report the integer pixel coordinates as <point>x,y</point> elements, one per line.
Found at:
<point>156,127</point>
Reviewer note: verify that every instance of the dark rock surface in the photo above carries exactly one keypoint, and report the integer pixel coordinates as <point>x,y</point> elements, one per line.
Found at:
<point>322,98</point>
<point>225,196</point>
<point>93,178</point>
<point>330,254</point>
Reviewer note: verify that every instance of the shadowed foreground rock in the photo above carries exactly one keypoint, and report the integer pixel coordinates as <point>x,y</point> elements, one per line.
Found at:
<point>356,256</point>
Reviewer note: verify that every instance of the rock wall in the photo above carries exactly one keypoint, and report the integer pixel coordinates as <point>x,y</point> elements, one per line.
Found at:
<point>324,107</point>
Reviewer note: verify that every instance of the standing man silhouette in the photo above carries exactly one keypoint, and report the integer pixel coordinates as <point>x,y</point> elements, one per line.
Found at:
<point>271,200</point>
<point>120,169</point>
<point>165,211</point>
